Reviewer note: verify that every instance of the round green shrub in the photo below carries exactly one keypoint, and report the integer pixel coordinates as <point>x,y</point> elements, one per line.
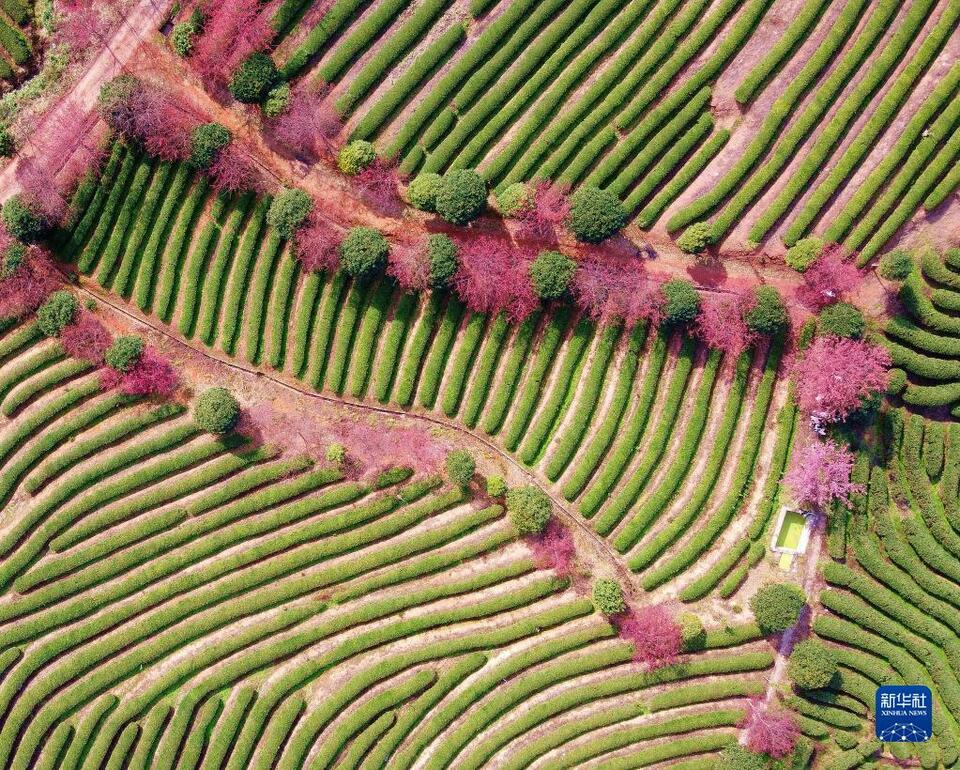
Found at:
<point>777,606</point>
<point>696,238</point>
<point>681,302</point>
<point>216,410</point>
<point>496,486</point>
<point>277,100</point>
<point>551,273</point>
<point>897,382</point>
<point>514,199</point>
<point>124,352</point>
<point>206,141</point>
<point>812,665</point>
<point>288,210</point>
<point>804,253</point>
<point>608,597</point>
<point>355,157</point>
<point>56,313</point>
<point>443,255</point>
<point>254,78</point>
<point>336,454</point>
<point>693,635</point>
<point>841,319</point>
<point>8,145</point>
<point>363,251</point>
<point>768,314</point>
<point>595,214</point>
<point>15,255</point>
<point>114,97</point>
<point>462,196</point>
<point>21,221</point>
<point>422,191</point>
<point>460,467</point>
<point>529,509</point>
<point>182,38</point>
<point>896,265</point>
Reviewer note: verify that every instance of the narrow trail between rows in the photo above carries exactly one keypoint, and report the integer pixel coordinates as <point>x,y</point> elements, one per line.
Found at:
<point>94,292</point>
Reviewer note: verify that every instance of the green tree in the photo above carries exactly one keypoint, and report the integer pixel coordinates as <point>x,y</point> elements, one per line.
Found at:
<point>422,191</point>
<point>812,665</point>
<point>595,214</point>
<point>551,273</point>
<point>529,509</point>
<point>254,78</point>
<point>216,410</point>
<point>777,606</point>
<point>444,259</point>
<point>206,141</point>
<point>56,313</point>
<point>681,302</point>
<point>696,238</point>
<point>124,352</point>
<point>355,157</point>
<point>767,313</point>
<point>21,221</point>
<point>288,211</point>
<point>363,251</point>
<point>608,597</point>
<point>896,265</point>
<point>460,467</point>
<point>462,196</point>
<point>842,319</point>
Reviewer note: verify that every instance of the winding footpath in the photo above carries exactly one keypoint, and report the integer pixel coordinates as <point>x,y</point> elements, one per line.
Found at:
<point>93,291</point>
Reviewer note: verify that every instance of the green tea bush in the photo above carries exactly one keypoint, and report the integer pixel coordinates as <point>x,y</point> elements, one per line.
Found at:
<point>496,486</point>
<point>696,238</point>
<point>682,302</point>
<point>124,352</point>
<point>462,196</point>
<point>21,221</point>
<point>551,273</point>
<point>206,140</point>
<point>254,78</point>
<point>288,211</point>
<point>595,214</point>
<point>896,265</point>
<point>444,259</point>
<point>422,191</point>
<point>777,606</point>
<point>841,319</point>
<point>182,38</point>
<point>277,101</point>
<point>355,157</point>
<point>608,597</point>
<point>804,253</point>
<point>812,665</point>
<point>216,410</point>
<point>767,313</point>
<point>363,251</point>
<point>58,311</point>
<point>529,509</point>
<point>460,467</point>
<point>514,199</point>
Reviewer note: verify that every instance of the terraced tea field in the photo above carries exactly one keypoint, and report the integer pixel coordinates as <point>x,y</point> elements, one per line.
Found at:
<point>769,120</point>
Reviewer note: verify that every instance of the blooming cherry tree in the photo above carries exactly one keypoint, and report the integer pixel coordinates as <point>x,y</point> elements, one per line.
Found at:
<point>720,324</point>
<point>829,279</point>
<point>611,290</point>
<point>493,278</point>
<point>819,475</point>
<point>769,730</point>
<point>656,636</point>
<point>835,374</point>
<point>553,548</point>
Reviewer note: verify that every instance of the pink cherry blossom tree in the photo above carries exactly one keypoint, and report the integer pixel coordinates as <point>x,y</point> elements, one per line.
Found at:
<point>317,244</point>
<point>378,184</point>
<point>720,323</point>
<point>493,277</point>
<point>834,375</point>
<point>819,475</point>
<point>613,289</point>
<point>549,210</point>
<point>152,375</point>
<point>309,127</point>
<point>232,170</point>
<point>829,279</point>
<point>410,265</point>
<point>769,730</point>
<point>232,30</point>
<point>553,548</point>
<point>27,287</point>
<point>86,338</point>
<point>656,636</point>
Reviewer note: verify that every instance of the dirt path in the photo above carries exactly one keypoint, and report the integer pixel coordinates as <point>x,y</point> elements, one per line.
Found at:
<point>135,27</point>
<point>599,544</point>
